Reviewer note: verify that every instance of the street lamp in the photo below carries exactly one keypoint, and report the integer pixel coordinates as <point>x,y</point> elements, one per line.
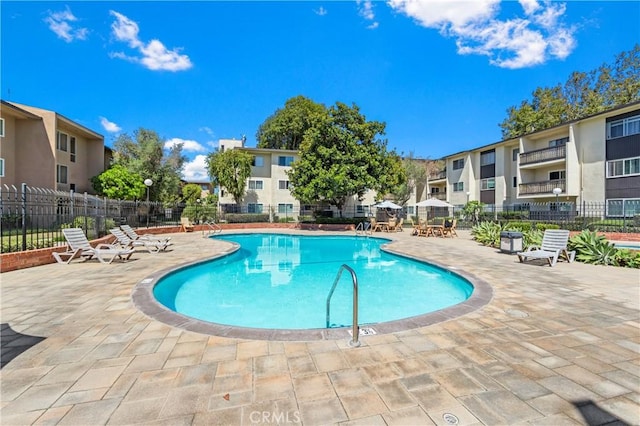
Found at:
<point>148,182</point>
<point>557,192</point>
<point>196,215</point>
<point>468,194</point>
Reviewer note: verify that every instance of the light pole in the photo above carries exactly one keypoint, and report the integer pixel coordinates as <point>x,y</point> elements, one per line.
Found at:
<point>557,192</point>
<point>148,182</point>
<point>468,194</point>
<point>196,215</point>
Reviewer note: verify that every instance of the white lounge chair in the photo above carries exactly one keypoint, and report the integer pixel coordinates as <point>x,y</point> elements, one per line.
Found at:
<point>79,246</point>
<point>131,233</point>
<point>126,242</point>
<point>554,245</point>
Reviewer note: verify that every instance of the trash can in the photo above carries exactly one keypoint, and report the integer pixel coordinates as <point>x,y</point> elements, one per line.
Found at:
<point>510,242</point>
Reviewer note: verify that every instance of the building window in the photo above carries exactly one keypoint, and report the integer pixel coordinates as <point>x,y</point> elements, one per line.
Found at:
<point>458,164</point>
<point>458,186</point>
<point>625,127</point>
<point>254,208</point>
<point>558,142</point>
<point>515,181</point>
<point>623,167</point>
<point>487,158</point>
<point>285,161</point>
<point>285,208</point>
<point>435,190</point>
<point>410,210</point>
<point>257,161</point>
<point>1,127</point>
<point>72,187</point>
<point>624,207</point>
<point>61,142</point>
<point>72,149</point>
<point>255,184</point>
<point>487,184</point>
<point>1,167</point>
<point>557,175</point>
<point>515,154</point>
<point>283,184</point>
<point>61,174</point>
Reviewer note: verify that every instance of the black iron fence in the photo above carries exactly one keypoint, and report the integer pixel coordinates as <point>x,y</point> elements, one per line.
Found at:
<point>34,217</point>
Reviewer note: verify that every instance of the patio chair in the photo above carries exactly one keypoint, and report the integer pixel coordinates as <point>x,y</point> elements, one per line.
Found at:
<point>375,225</point>
<point>126,242</point>
<point>449,228</point>
<point>79,246</point>
<point>554,245</point>
<point>131,233</point>
<point>415,227</point>
<point>186,225</point>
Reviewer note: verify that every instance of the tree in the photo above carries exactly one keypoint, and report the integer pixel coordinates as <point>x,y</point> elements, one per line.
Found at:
<point>230,169</point>
<point>191,192</point>
<point>119,184</point>
<point>416,173</point>
<point>285,129</point>
<point>340,157</point>
<point>146,157</point>
<point>583,94</point>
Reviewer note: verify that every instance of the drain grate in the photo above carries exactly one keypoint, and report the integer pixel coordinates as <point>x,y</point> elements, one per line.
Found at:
<point>364,331</point>
<point>450,419</point>
<point>516,313</point>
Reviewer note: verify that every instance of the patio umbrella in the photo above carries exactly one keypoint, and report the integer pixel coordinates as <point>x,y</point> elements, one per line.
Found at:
<point>433,202</point>
<point>387,205</point>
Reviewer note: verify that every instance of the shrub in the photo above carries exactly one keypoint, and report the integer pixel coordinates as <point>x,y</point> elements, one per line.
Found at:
<point>487,233</point>
<point>518,226</point>
<point>593,248</point>
<point>627,258</point>
<point>341,220</point>
<point>544,226</point>
<point>533,237</point>
<point>247,217</point>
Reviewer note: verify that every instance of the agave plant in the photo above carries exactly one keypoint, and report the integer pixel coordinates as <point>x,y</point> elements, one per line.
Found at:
<point>487,233</point>
<point>593,248</point>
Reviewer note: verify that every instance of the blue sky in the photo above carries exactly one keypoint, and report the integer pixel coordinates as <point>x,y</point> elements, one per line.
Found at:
<point>440,74</point>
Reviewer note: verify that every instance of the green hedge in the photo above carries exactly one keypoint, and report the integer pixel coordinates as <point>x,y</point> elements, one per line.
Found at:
<point>247,217</point>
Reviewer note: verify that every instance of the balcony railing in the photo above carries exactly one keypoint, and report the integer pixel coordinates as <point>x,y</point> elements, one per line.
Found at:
<point>439,195</point>
<point>541,155</point>
<point>546,187</point>
<point>438,175</point>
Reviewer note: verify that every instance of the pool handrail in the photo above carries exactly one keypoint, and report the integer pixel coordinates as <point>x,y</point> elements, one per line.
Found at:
<point>356,329</point>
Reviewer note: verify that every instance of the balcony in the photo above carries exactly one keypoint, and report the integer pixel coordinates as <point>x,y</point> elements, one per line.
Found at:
<point>437,176</point>
<point>546,187</point>
<point>543,155</point>
<point>439,195</point>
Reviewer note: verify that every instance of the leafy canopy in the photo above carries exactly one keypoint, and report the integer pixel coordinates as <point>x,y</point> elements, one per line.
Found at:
<point>119,184</point>
<point>230,169</point>
<point>340,157</point>
<point>144,155</point>
<point>583,94</point>
<point>285,128</point>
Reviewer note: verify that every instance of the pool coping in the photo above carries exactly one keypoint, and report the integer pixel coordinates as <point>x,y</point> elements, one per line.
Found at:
<point>144,300</point>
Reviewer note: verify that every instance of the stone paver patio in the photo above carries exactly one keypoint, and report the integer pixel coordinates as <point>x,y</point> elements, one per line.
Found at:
<point>554,346</point>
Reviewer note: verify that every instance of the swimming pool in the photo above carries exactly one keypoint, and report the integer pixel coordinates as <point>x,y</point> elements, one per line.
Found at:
<point>277,281</point>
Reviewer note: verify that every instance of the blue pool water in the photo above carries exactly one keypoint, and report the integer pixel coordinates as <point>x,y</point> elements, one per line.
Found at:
<point>282,281</point>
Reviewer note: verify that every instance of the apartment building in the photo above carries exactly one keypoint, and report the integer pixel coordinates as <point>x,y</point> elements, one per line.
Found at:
<point>45,149</point>
<point>594,159</point>
<point>269,185</point>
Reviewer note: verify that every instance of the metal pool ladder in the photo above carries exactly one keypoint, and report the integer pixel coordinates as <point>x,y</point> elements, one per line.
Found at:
<point>356,329</point>
<point>363,229</point>
<point>211,228</point>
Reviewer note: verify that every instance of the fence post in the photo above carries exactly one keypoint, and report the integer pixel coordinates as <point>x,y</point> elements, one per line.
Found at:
<point>624,216</point>
<point>24,216</point>
<point>84,214</point>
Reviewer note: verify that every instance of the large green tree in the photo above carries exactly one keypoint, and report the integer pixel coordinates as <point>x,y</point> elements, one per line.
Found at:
<point>583,94</point>
<point>416,173</point>
<point>118,183</point>
<point>230,169</point>
<point>144,155</point>
<point>341,157</point>
<point>285,128</point>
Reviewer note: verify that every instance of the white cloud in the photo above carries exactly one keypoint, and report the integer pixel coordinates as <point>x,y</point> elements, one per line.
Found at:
<point>519,42</point>
<point>365,9</point>
<point>196,169</point>
<point>60,24</point>
<point>187,145</point>
<point>153,55</point>
<point>321,11</point>
<point>109,126</point>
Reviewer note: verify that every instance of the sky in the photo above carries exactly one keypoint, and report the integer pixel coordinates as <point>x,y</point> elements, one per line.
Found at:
<point>440,73</point>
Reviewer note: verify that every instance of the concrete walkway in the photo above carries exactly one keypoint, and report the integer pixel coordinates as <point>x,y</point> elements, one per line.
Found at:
<point>555,346</point>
